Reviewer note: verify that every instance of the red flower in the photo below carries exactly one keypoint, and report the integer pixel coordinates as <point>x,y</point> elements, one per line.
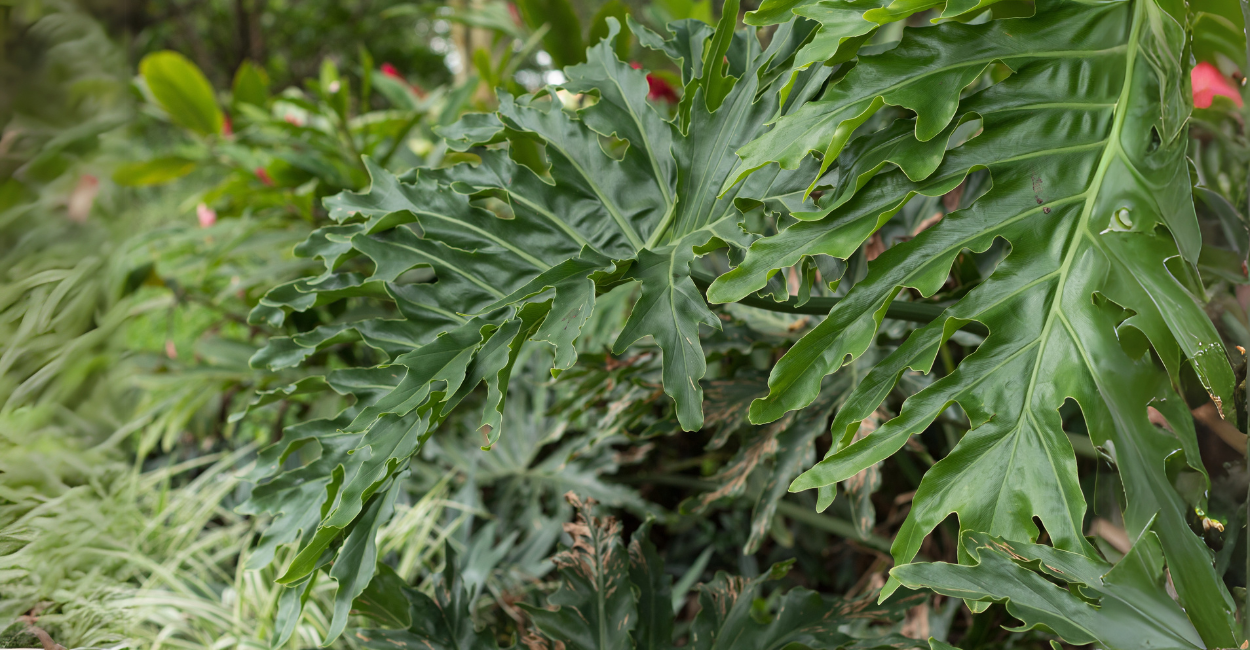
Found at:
<point>226,127</point>
<point>264,176</point>
<point>657,88</point>
<point>1208,81</point>
<point>392,72</point>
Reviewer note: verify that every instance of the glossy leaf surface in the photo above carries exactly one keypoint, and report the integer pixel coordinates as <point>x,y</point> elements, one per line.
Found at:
<point>1100,220</point>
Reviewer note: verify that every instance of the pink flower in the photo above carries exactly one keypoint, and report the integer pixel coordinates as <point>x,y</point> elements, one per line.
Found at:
<point>227,128</point>
<point>1208,81</point>
<point>206,215</point>
<point>291,119</point>
<point>264,176</point>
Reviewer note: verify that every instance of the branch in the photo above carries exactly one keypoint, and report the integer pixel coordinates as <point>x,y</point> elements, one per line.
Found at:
<point>1210,416</point>
<point>44,638</point>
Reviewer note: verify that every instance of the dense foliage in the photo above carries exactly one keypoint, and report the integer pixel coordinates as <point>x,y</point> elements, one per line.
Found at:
<point>821,324</point>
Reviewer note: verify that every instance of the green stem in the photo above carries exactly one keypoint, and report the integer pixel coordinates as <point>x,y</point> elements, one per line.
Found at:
<point>399,138</point>
<point>916,312</point>
<point>657,235</point>
<point>839,527</point>
<point>345,130</point>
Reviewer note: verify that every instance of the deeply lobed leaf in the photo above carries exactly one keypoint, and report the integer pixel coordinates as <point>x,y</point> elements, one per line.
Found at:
<point>1100,219</point>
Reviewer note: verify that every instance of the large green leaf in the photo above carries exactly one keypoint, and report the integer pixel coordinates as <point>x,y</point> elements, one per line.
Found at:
<point>845,25</point>
<point>599,220</point>
<point>443,622</point>
<point>803,618</point>
<point>354,566</point>
<point>1084,144</point>
<point>294,498</point>
<point>1120,607</point>
<point>1099,215</point>
<point>654,588</point>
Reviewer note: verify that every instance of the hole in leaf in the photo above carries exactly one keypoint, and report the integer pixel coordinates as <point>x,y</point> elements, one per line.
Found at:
<point>613,146</point>
<point>530,153</point>
<point>965,132</point>
<point>419,275</point>
<point>496,201</point>
<point>1043,537</point>
<point>1183,274</point>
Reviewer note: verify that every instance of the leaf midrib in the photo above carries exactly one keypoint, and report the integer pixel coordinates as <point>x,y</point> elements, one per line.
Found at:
<point>1109,154</point>
<point>634,239</point>
<point>550,216</point>
<point>453,267</point>
<point>794,377</point>
<point>740,114</point>
<point>487,235</point>
<point>1111,144</point>
<point>1112,151</point>
<point>655,163</point>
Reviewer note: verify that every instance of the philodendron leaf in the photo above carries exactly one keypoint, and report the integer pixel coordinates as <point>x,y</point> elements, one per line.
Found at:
<point>595,606</point>
<point>654,588</point>
<point>531,275</point>
<point>385,600</point>
<point>354,566</point>
<point>607,601</point>
<point>294,498</point>
<point>803,618</point>
<point>1120,607</point>
<point>926,73</point>
<point>845,25</point>
<point>1093,195</point>
<point>443,622</point>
